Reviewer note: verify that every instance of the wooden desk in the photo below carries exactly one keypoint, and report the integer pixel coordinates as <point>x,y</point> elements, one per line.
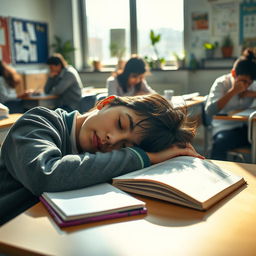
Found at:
<point>228,228</point>
<point>5,125</point>
<point>91,90</point>
<point>44,100</point>
<point>234,117</point>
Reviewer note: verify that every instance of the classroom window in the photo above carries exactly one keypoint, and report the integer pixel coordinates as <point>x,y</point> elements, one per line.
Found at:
<point>108,29</point>
<point>164,17</point>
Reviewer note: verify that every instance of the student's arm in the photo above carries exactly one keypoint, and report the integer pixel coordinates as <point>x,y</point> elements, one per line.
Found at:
<point>248,93</point>
<point>145,88</point>
<point>57,85</point>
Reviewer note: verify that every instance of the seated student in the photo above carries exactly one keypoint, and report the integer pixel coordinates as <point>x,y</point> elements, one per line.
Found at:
<point>52,150</point>
<point>65,82</point>
<point>130,81</point>
<point>231,92</point>
<point>9,79</point>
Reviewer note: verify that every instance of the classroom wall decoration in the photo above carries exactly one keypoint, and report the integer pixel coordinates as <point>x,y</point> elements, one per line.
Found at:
<point>200,21</point>
<point>224,18</point>
<point>5,50</point>
<point>248,24</point>
<point>29,41</point>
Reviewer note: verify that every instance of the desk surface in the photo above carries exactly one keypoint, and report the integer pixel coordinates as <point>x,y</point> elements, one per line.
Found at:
<point>228,228</point>
<point>7,122</point>
<point>40,97</point>
<point>232,116</point>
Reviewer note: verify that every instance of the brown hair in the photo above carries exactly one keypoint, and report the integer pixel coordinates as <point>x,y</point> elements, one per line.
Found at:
<point>10,75</point>
<point>162,125</point>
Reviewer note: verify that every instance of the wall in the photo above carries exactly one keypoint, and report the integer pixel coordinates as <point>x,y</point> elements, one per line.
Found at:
<point>39,10</point>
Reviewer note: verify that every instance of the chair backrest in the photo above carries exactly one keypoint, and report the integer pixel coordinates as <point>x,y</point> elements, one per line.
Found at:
<point>87,102</point>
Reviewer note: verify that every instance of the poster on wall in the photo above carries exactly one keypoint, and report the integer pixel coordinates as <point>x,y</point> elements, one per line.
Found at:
<point>248,24</point>
<point>200,21</point>
<point>29,41</point>
<point>224,18</point>
<point>5,50</point>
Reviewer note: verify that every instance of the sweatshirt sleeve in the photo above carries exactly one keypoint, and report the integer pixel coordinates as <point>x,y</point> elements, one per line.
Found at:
<point>37,153</point>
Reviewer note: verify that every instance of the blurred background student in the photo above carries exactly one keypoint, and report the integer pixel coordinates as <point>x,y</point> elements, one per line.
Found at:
<point>65,82</point>
<point>9,80</point>
<point>233,91</point>
<point>130,81</point>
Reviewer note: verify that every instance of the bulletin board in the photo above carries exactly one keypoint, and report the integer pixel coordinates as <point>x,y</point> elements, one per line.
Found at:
<point>29,41</point>
<point>248,23</point>
<point>5,49</point>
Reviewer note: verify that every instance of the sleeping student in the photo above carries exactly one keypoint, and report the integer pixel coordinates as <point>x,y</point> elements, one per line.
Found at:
<point>53,150</point>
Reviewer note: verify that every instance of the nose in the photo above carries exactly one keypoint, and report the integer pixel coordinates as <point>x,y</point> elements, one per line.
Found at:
<point>115,137</point>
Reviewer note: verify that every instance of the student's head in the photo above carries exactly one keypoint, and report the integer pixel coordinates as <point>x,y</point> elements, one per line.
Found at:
<point>132,74</point>
<point>244,67</point>
<point>56,63</point>
<point>147,121</point>
<point>9,74</point>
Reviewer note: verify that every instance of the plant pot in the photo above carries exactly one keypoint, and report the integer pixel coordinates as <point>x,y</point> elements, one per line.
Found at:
<point>227,52</point>
<point>96,65</point>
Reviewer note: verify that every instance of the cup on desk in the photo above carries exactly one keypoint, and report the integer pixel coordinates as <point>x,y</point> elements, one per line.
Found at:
<point>168,94</point>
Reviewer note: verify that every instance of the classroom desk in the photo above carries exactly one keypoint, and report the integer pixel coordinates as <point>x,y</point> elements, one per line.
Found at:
<point>234,117</point>
<point>228,228</point>
<point>44,100</point>
<point>5,125</point>
<point>91,90</point>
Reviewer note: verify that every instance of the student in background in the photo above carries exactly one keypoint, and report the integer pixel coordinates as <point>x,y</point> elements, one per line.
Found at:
<point>65,82</point>
<point>52,150</point>
<point>231,92</point>
<point>9,79</point>
<point>130,81</point>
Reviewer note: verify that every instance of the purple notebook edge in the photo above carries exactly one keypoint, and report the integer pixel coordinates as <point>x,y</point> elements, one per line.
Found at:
<point>109,216</point>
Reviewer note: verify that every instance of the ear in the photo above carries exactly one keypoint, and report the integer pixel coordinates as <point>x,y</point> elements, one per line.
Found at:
<point>101,104</point>
<point>233,73</point>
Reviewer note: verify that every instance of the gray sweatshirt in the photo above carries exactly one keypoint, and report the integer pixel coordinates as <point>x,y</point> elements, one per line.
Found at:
<point>37,157</point>
<point>68,86</point>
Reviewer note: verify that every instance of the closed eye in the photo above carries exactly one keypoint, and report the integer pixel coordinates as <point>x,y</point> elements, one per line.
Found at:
<point>120,124</point>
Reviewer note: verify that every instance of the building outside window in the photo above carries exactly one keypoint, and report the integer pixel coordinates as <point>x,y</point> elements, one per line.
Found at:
<point>108,28</point>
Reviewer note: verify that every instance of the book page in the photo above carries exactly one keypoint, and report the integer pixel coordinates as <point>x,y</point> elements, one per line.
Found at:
<point>200,179</point>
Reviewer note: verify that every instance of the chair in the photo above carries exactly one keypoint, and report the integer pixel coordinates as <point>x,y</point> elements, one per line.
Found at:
<point>237,154</point>
<point>87,102</point>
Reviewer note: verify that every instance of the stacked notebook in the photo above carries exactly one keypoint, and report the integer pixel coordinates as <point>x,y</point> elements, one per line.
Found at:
<point>94,203</point>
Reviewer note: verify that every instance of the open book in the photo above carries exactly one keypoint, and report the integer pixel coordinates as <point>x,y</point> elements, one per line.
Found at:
<point>183,180</point>
<point>94,203</point>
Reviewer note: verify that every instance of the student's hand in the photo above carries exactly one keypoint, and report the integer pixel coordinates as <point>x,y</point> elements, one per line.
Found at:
<point>173,151</point>
<point>247,93</point>
<point>25,94</point>
<point>239,86</point>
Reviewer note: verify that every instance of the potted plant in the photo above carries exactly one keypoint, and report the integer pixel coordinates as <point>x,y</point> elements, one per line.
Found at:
<point>118,52</point>
<point>180,60</point>
<point>210,49</point>
<point>64,48</point>
<point>227,47</point>
<point>158,62</point>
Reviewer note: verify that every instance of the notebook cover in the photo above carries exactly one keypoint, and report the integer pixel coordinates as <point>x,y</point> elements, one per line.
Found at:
<point>110,216</point>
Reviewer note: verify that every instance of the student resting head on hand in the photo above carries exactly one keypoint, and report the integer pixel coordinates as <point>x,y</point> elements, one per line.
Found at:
<point>130,81</point>
<point>65,82</point>
<point>230,92</point>
<point>49,151</point>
